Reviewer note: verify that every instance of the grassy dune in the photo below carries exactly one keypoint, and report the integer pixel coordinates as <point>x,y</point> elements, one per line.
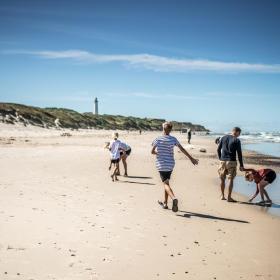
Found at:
<point>45,117</point>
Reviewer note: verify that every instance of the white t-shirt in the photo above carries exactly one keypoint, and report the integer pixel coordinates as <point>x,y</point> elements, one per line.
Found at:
<point>114,148</point>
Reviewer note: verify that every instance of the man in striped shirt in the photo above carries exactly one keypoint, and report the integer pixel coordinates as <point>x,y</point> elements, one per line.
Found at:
<point>163,148</point>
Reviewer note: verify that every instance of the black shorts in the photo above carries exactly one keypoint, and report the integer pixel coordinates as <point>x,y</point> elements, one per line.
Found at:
<point>270,177</point>
<point>114,161</point>
<point>165,175</point>
<point>126,152</point>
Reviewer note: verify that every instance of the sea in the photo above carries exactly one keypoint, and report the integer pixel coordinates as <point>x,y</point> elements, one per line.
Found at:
<point>267,143</point>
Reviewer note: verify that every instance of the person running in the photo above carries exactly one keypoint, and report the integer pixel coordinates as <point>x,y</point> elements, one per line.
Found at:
<point>262,178</point>
<point>228,146</point>
<point>115,150</point>
<point>163,148</point>
<point>126,151</point>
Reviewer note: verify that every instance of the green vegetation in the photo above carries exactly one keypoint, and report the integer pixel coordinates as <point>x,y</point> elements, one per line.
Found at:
<point>45,117</point>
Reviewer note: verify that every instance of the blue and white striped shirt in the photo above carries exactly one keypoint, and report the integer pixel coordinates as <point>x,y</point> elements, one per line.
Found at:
<point>165,152</point>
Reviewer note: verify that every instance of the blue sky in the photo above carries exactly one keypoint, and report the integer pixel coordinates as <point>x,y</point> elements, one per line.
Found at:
<point>211,62</point>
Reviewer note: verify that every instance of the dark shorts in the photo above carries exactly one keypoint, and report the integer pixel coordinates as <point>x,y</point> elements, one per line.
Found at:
<point>165,175</point>
<point>126,152</point>
<point>270,177</point>
<point>114,161</point>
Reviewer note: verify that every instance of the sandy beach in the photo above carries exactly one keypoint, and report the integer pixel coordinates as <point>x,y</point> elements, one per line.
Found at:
<point>62,217</point>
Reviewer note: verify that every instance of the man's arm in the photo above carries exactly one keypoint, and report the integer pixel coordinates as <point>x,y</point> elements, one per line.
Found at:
<point>240,158</point>
<point>219,149</point>
<point>193,160</point>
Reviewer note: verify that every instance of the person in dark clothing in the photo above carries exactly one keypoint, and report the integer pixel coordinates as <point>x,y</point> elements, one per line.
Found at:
<point>189,132</point>
<point>228,147</point>
<point>217,140</point>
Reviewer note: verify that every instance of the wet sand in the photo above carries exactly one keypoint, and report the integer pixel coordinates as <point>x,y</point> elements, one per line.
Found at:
<point>63,218</point>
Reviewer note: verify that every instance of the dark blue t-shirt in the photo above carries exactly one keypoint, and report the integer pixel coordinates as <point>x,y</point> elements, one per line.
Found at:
<point>228,147</point>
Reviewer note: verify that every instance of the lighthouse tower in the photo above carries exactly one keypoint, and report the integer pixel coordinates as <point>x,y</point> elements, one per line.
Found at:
<point>96,106</point>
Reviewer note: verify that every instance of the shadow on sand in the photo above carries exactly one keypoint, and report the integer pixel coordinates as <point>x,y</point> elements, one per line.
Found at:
<point>273,205</point>
<point>139,177</point>
<point>206,216</point>
<point>140,183</point>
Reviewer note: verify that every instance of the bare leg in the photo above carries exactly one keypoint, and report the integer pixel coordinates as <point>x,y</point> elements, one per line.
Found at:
<point>114,175</point>
<point>266,195</point>
<point>262,184</point>
<point>230,188</point>
<point>165,197</point>
<point>223,184</point>
<point>117,171</point>
<point>124,165</point>
<point>168,190</point>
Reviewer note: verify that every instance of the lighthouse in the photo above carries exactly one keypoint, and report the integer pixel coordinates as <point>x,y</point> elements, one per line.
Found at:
<point>96,106</point>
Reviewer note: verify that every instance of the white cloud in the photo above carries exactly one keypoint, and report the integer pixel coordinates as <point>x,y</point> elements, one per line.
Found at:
<point>154,62</point>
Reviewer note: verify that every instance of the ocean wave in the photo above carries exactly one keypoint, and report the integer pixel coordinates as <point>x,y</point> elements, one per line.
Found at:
<point>257,137</point>
<point>273,137</point>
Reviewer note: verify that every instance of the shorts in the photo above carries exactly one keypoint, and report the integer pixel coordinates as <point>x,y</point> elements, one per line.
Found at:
<point>126,152</point>
<point>227,168</point>
<point>165,175</point>
<point>114,161</point>
<point>270,177</point>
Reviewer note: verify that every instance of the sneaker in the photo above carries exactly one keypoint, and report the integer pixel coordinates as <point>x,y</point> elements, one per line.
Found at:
<point>175,205</point>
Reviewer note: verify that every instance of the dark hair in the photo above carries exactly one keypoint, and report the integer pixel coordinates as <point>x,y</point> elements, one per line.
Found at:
<point>217,140</point>
<point>237,129</point>
<point>247,175</point>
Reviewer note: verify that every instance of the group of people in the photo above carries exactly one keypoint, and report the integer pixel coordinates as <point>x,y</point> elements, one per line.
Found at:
<point>229,146</point>
<point>119,151</point>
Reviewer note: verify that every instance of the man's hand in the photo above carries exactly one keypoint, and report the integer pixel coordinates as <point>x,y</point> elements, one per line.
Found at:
<point>194,161</point>
<point>242,168</point>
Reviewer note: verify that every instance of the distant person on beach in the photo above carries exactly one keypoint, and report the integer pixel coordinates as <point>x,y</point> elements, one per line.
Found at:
<point>126,151</point>
<point>115,150</point>
<point>163,148</point>
<point>217,140</point>
<point>189,132</point>
<point>262,178</point>
<point>228,147</point>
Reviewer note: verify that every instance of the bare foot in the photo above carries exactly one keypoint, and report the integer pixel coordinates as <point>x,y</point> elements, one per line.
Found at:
<point>116,178</point>
<point>223,198</point>
<point>231,200</point>
<point>112,176</point>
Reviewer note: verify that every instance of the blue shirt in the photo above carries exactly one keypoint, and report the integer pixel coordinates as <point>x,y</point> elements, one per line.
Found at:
<point>228,147</point>
<point>165,152</point>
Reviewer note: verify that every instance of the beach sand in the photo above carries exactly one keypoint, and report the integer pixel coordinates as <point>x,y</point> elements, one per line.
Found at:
<point>62,217</point>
